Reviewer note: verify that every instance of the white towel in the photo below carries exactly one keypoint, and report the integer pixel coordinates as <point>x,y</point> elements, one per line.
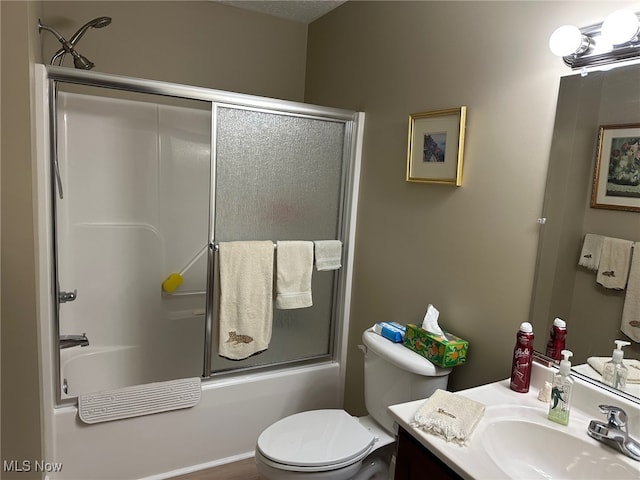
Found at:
<point>246,298</point>
<point>294,266</point>
<point>614,263</point>
<point>449,415</point>
<point>631,309</point>
<point>591,248</point>
<point>633,367</point>
<point>328,254</point>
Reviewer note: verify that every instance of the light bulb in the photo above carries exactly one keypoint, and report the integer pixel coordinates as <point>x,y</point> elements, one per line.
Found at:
<point>620,26</point>
<point>566,40</point>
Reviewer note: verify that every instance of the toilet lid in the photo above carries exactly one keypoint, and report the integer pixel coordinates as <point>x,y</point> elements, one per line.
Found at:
<point>317,438</point>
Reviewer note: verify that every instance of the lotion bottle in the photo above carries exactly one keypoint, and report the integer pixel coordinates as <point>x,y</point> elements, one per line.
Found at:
<point>561,390</point>
<point>615,372</point>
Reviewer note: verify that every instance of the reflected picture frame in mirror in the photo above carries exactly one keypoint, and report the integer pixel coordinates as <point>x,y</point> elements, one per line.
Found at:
<point>616,178</point>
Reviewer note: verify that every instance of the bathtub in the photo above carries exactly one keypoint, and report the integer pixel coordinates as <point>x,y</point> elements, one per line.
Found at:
<point>222,427</point>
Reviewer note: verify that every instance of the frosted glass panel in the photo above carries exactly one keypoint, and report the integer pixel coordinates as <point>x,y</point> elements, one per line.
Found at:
<point>280,177</point>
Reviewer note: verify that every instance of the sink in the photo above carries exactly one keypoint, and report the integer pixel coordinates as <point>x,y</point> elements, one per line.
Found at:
<point>545,451</point>
<point>514,439</point>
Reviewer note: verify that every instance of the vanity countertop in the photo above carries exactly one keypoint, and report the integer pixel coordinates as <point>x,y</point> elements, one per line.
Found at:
<point>473,461</point>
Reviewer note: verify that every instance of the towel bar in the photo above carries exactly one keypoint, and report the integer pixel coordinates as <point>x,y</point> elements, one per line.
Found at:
<point>215,246</point>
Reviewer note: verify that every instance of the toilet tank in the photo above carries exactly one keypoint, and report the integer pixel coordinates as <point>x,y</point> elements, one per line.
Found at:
<point>394,374</point>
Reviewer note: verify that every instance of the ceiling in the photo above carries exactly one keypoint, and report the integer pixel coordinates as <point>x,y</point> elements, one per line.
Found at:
<point>305,11</point>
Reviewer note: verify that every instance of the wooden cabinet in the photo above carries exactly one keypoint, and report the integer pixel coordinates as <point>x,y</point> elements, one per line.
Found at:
<point>414,462</point>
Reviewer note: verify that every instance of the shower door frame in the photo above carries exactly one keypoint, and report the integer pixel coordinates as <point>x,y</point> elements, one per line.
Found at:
<point>353,124</point>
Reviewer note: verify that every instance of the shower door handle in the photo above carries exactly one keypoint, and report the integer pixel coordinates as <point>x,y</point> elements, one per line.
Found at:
<point>64,297</point>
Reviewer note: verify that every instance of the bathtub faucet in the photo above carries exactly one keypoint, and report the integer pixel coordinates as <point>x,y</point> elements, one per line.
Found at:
<point>68,341</point>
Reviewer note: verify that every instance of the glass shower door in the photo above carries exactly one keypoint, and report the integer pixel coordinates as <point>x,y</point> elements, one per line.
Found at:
<point>133,208</point>
<point>280,176</point>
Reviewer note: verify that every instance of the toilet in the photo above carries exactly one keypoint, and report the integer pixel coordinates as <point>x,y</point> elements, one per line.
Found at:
<point>333,445</point>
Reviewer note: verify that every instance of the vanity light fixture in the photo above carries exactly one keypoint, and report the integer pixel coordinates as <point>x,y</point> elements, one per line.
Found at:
<point>614,40</point>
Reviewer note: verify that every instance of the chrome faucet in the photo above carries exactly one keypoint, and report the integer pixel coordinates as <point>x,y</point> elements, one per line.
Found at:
<point>68,341</point>
<point>614,431</point>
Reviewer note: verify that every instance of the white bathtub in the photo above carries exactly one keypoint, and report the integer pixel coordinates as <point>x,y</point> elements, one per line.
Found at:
<point>223,427</point>
<point>92,369</point>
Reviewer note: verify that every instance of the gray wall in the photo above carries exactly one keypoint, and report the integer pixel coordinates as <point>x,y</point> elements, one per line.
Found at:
<point>471,250</point>
<point>195,43</point>
<point>20,383</point>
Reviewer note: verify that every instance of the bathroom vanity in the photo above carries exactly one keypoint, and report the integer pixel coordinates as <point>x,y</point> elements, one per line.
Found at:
<point>514,438</point>
<point>413,459</point>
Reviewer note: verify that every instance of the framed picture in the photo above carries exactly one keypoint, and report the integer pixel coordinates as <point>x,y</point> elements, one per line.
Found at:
<point>616,178</point>
<point>436,146</point>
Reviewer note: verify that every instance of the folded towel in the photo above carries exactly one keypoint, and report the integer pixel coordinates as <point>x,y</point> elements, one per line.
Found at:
<point>246,298</point>
<point>591,248</point>
<point>328,254</point>
<point>633,367</point>
<point>294,266</point>
<point>449,415</point>
<point>631,310</point>
<point>614,263</point>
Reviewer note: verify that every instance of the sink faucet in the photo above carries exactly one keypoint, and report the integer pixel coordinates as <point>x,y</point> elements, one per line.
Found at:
<point>614,431</point>
<point>68,341</point>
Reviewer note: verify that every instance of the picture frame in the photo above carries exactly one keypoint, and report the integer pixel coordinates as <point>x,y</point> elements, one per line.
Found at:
<point>435,147</point>
<point>616,177</point>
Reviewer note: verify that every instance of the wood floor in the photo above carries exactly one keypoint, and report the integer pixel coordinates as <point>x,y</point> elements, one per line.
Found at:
<point>241,470</point>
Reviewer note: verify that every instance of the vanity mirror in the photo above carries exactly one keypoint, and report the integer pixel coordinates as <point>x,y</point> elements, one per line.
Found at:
<point>562,288</point>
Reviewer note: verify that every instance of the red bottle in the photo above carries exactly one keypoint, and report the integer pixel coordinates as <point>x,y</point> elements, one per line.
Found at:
<point>557,337</point>
<point>522,358</point>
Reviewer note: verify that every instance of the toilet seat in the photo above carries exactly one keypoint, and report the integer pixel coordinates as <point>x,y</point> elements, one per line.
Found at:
<point>315,441</point>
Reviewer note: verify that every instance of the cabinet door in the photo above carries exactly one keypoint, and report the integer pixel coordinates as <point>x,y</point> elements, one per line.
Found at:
<point>414,462</point>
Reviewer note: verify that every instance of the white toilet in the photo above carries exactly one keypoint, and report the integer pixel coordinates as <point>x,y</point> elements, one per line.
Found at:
<point>333,445</point>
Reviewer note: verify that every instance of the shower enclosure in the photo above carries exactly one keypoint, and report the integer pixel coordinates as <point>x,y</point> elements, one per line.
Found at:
<point>143,179</point>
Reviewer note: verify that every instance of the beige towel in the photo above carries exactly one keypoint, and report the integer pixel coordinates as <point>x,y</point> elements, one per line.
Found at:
<point>294,266</point>
<point>591,248</point>
<point>246,298</point>
<point>449,415</point>
<point>633,367</point>
<point>328,254</point>
<point>631,310</point>
<point>614,263</point>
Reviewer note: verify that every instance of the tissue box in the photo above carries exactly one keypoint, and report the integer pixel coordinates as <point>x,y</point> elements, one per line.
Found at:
<point>442,352</point>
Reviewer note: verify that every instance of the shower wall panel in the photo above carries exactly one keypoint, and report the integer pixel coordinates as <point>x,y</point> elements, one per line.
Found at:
<point>135,179</point>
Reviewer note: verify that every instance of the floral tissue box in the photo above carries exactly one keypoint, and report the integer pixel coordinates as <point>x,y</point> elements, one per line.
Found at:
<point>443,352</point>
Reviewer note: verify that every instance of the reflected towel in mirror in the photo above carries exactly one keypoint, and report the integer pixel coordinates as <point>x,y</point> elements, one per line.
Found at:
<point>615,258</point>
<point>631,310</point>
<point>633,367</point>
<point>591,248</point>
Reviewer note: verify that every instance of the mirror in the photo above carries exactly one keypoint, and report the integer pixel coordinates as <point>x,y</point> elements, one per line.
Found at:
<point>562,288</point>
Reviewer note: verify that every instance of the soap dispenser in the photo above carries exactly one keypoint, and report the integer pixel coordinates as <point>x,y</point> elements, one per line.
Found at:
<point>615,372</point>
<point>561,390</point>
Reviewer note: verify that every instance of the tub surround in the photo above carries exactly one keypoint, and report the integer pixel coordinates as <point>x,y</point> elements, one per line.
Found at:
<point>473,460</point>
